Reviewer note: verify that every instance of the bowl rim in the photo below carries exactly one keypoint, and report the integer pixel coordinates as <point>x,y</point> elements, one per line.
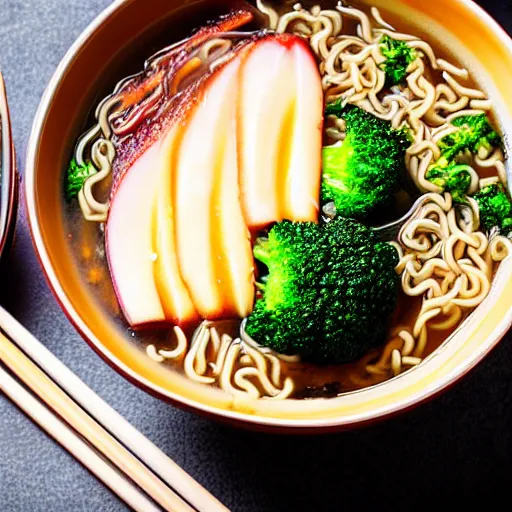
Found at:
<point>230,416</point>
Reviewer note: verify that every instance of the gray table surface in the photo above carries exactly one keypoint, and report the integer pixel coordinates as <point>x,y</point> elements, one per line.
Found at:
<point>459,445</point>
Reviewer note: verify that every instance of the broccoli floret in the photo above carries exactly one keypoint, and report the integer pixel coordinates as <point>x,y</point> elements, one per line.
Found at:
<point>453,178</point>
<point>474,132</point>
<point>495,208</point>
<point>335,108</point>
<point>362,173</point>
<point>330,290</point>
<point>399,55</point>
<point>75,178</point>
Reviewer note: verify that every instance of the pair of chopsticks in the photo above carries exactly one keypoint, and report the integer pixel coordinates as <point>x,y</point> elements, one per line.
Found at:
<point>100,438</point>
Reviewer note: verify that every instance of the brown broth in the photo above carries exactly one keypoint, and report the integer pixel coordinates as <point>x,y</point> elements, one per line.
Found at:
<point>87,243</point>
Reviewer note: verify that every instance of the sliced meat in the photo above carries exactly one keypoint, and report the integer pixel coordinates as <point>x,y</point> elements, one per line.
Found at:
<point>213,244</point>
<point>302,192</point>
<point>129,243</point>
<point>174,295</point>
<point>280,132</point>
<point>264,108</point>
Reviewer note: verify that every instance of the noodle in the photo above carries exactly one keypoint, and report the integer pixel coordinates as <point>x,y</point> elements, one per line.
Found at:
<point>237,366</point>
<point>448,284</point>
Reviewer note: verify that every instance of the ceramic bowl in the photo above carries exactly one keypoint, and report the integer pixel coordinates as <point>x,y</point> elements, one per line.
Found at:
<point>8,176</point>
<point>91,68</point>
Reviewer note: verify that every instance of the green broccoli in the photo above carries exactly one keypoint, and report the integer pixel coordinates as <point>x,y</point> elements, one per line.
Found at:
<point>495,208</point>
<point>75,178</point>
<point>399,55</point>
<point>453,178</point>
<point>474,132</point>
<point>330,290</point>
<point>335,108</point>
<point>362,173</point>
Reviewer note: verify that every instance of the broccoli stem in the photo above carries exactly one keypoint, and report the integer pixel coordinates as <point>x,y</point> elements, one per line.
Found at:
<point>261,250</point>
<point>260,286</point>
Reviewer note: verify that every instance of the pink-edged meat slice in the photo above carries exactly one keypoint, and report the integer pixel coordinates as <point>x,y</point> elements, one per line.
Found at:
<point>280,132</point>
<point>129,242</point>
<point>174,295</point>
<point>264,110</point>
<point>212,240</point>
<point>302,192</point>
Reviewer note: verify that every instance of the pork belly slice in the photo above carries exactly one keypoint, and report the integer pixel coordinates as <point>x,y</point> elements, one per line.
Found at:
<point>174,295</point>
<point>213,244</point>
<point>304,170</point>
<point>129,241</point>
<point>280,132</point>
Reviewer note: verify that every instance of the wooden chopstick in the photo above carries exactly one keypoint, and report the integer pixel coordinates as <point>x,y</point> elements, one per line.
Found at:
<point>110,419</point>
<point>74,444</point>
<point>83,424</point>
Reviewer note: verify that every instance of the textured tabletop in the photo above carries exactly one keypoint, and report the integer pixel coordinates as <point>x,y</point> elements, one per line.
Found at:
<point>460,444</point>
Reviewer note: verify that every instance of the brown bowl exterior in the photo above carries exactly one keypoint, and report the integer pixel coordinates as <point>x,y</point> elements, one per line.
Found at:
<point>80,81</point>
<point>8,177</point>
